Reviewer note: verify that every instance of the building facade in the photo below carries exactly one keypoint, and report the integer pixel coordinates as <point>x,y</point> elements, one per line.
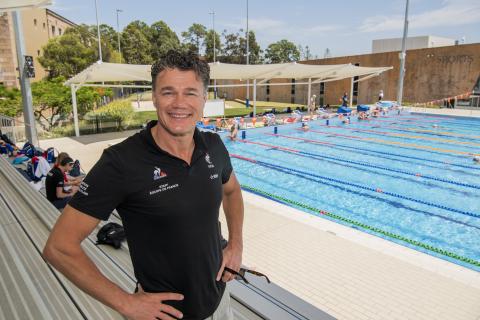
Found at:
<point>431,74</point>
<point>39,26</point>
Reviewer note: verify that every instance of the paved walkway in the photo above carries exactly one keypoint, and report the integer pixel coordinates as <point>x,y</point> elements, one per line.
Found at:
<point>347,273</point>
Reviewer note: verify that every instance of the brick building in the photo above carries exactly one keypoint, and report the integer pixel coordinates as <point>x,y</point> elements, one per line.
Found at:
<point>431,73</point>
<point>39,25</point>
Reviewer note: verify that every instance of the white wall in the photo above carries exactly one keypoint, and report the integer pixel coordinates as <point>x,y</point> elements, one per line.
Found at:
<point>395,44</point>
<point>214,108</point>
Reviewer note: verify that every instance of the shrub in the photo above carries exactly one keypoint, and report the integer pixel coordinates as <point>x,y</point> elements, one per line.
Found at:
<point>118,111</point>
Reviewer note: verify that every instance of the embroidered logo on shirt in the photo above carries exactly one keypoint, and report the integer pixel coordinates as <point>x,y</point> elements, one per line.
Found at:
<point>158,173</point>
<point>209,162</point>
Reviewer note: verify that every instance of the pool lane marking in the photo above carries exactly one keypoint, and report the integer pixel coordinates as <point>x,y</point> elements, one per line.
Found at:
<point>318,212</point>
<point>318,142</point>
<point>378,190</point>
<point>411,145</point>
<point>362,163</point>
<point>393,134</point>
<point>433,132</point>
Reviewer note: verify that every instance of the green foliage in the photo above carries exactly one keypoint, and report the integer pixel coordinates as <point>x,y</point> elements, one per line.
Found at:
<point>51,99</point>
<point>209,45</point>
<point>66,55</point>
<point>10,101</point>
<point>194,37</point>
<point>235,48</point>
<point>136,47</point>
<point>282,51</point>
<point>119,110</point>
<point>162,39</point>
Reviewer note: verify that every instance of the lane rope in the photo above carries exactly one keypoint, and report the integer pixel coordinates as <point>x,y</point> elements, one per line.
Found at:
<point>319,213</point>
<point>365,164</point>
<point>356,185</point>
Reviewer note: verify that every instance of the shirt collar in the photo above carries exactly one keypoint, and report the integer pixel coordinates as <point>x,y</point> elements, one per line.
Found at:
<point>198,138</point>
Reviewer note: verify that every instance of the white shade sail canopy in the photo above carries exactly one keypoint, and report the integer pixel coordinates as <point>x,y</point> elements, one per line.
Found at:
<point>10,5</point>
<point>108,72</point>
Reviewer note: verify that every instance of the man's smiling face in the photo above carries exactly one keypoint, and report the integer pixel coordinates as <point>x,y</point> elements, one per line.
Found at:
<point>179,98</point>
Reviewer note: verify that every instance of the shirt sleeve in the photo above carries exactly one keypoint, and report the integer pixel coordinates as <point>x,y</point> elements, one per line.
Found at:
<point>102,189</point>
<point>227,164</point>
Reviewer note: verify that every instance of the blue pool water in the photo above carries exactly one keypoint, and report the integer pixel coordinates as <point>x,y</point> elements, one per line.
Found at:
<point>407,178</point>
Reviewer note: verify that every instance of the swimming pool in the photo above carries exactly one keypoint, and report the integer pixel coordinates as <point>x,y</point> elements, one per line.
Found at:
<point>407,178</point>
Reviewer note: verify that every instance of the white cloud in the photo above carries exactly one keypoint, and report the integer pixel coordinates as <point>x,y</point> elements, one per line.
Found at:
<point>269,27</point>
<point>452,13</point>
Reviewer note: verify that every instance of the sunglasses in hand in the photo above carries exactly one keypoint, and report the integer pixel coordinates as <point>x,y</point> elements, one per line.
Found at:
<point>241,274</point>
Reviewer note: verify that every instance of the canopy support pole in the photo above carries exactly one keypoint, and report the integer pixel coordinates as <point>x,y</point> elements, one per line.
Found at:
<point>27,100</point>
<point>309,102</point>
<point>73,89</point>
<point>254,97</point>
<point>351,93</point>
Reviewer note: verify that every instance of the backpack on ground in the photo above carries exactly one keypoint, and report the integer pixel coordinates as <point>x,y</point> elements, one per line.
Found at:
<point>76,169</point>
<point>111,234</point>
<point>28,150</point>
<point>49,154</point>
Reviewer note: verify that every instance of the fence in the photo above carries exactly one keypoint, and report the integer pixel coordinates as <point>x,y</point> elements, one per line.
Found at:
<point>10,128</point>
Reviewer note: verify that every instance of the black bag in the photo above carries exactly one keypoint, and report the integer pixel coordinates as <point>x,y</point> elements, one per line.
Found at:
<point>76,169</point>
<point>112,234</point>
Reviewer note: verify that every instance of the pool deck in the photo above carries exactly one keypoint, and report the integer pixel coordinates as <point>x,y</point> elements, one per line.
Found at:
<point>345,272</point>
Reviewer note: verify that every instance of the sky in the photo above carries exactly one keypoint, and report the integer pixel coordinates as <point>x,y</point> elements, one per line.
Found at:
<point>345,27</point>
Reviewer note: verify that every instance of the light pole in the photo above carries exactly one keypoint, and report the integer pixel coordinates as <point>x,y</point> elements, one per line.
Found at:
<point>118,35</point>
<point>402,57</point>
<point>248,58</point>
<point>214,54</point>
<point>98,34</point>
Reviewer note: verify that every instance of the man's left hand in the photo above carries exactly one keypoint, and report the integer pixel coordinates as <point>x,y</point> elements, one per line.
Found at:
<point>232,258</point>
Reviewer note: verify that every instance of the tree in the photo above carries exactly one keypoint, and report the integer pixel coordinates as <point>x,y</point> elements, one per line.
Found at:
<point>232,51</point>
<point>10,101</point>
<point>162,39</point>
<point>51,100</point>
<point>255,53</point>
<point>194,37</point>
<point>66,55</point>
<point>235,48</point>
<point>136,47</point>
<point>282,51</point>
<point>209,45</point>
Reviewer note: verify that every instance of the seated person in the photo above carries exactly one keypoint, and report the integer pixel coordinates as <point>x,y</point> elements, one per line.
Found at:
<point>233,132</point>
<point>69,180</point>
<point>7,148</point>
<point>55,184</point>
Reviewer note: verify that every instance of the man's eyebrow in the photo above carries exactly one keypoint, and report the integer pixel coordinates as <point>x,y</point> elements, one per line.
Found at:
<point>167,88</point>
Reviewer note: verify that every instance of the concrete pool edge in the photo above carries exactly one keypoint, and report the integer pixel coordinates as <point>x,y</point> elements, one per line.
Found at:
<point>420,259</point>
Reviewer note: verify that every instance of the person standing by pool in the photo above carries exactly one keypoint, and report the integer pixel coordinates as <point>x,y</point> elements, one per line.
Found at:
<point>345,100</point>
<point>167,183</point>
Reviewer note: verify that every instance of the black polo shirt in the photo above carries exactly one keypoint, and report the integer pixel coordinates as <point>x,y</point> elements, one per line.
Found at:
<point>53,180</point>
<point>169,210</point>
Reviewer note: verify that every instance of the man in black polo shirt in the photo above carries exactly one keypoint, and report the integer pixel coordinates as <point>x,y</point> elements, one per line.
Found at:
<point>55,184</point>
<point>167,183</point>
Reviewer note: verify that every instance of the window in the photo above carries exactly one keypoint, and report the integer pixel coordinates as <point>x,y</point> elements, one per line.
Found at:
<point>322,88</point>
<point>38,53</point>
<point>35,22</point>
<point>59,31</point>
<point>268,88</point>
<point>293,87</point>
<point>53,30</point>
<point>44,26</point>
